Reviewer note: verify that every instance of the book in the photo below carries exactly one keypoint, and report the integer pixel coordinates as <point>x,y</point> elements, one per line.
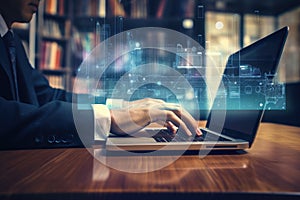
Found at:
<point>54,7</point>
<point>51,56</point>
<point>116,8</point>
<point>53,29</point>
<point>184,8</point>
<point>102,8</point>
<point>139,9</point>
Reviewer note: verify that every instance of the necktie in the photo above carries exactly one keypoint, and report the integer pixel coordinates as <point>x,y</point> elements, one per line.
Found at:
<point>11,47</point>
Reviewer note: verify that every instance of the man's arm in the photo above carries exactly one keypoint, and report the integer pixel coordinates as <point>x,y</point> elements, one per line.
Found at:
<point>45,120</point>
<point>28,126</point>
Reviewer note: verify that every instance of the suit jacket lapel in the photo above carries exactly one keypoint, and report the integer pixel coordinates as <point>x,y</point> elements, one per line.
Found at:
<point>24,70</point>
<point>5,64</point>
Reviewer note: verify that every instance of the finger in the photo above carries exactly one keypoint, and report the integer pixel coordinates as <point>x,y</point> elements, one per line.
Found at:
<point>199,132</point>
<point>188,119</point>
<point>171,116</point>
<point>190,122</point>
<point>171,127</point>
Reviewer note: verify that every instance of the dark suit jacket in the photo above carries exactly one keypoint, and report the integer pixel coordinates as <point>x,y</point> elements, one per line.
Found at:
<point>43,118</point>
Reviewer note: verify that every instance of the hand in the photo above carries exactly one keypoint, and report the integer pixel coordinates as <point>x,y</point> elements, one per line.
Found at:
<point>136,115</point>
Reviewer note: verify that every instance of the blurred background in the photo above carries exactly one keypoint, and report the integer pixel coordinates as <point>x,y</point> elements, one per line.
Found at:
<point>64,32</point>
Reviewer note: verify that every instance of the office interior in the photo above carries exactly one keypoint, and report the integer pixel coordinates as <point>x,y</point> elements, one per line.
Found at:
<point>63,33</point>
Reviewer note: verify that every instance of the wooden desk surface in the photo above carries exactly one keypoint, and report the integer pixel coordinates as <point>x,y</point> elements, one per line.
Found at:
<point>269,169</point>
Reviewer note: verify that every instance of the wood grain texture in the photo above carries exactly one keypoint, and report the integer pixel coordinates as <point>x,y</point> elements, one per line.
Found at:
<point>271,166</point>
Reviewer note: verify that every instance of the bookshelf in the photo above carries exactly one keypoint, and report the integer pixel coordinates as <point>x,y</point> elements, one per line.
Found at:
<point>68,30</point>
<point>53,38</point>
<point>93,24</point>
<point>121,15</point>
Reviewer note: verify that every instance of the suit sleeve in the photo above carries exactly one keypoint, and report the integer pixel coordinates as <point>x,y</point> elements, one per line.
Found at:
<point>47,125</point>
<point>27,126</point>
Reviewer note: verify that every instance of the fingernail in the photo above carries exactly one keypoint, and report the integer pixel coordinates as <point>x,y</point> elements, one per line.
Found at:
<point>198,131</point>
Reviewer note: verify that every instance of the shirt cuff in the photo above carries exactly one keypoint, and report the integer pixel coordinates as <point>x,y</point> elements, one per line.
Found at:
<point>102,122</point>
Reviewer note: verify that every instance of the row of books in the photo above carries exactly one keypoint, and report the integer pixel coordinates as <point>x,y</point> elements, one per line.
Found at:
<point>90,8</point>
<point>135,8</point>
<point>55,29</point>
<point>55,7</point>
<point>51,56</point>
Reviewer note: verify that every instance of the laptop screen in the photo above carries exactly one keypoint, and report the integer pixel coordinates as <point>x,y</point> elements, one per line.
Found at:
<point>255,61</point>
<point>261,57</point>
<point>249,77</point>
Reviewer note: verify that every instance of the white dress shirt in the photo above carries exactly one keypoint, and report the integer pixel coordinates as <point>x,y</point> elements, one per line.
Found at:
<point>3,26</point>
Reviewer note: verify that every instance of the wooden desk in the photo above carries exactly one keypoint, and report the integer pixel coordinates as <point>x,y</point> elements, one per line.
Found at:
<point>268,170</point>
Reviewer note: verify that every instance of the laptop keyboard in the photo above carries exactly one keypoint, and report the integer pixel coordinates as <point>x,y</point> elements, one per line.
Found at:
<point>167,136</point>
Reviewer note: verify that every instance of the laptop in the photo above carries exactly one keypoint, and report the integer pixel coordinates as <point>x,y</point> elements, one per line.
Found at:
<point>226,129</point>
